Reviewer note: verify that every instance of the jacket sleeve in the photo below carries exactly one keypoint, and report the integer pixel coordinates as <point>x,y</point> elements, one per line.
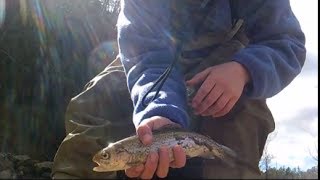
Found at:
<point>146,49</point>
<point>276,52</point>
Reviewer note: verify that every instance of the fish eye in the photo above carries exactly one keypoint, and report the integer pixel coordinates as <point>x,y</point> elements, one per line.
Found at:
<point>105,155</point>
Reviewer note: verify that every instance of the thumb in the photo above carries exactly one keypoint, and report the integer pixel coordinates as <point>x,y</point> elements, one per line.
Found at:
<point>144,132</point>
<point>198,78</point>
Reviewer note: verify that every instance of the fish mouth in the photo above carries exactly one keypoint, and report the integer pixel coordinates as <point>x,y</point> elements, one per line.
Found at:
<point>99,169</point>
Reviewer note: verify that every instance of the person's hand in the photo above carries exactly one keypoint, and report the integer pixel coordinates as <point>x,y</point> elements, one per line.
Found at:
<point>221,87</point>
<point>157,162</point>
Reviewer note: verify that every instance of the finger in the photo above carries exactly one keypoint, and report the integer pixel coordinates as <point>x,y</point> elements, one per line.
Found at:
<point>179,157</point>
<point>212,97</point>
<point>198,78</point>
<point>134,171</point>
<point>163,166</point>
<point>203,91</point>
<point>150,166</point>
<point>218,105</point>
<point>226,109</point>
<point>144,133</point>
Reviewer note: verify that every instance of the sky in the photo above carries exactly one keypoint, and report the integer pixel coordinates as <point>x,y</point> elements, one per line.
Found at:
<point>295,109</point>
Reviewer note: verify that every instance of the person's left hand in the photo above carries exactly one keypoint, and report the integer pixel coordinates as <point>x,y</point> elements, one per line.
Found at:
<point>221,87</point>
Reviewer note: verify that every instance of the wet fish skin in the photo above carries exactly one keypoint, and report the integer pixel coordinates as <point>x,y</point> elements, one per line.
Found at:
<point>130,151</point>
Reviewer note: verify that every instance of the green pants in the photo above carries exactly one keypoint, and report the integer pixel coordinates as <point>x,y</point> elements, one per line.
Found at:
<point>106,97</point>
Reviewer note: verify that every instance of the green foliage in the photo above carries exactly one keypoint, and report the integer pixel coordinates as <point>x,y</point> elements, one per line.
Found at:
<point>45,47</point>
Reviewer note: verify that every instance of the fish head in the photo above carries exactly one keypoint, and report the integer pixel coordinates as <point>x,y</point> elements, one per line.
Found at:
<point>110,159</point>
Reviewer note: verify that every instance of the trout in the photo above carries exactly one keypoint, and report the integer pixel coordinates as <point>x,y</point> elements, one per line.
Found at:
<point>130,151</point>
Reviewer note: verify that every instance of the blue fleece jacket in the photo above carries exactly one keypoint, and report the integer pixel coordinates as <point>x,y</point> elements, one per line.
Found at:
<point>273,58</point>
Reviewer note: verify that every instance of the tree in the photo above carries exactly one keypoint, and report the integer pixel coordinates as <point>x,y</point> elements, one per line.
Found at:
<point>45,47</point>
<point>267,157</point>
<point>311,173</point>
<point>314,153</point>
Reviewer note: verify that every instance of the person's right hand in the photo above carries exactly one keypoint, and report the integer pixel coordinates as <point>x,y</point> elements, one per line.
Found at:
<point>157,162</point>
<point>221,87</point>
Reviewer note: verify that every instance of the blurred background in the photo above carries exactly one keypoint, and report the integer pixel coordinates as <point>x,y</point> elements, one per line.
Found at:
<point>49,50</point>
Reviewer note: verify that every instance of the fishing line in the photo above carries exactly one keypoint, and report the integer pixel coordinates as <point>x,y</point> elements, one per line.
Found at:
<point>161,80</point>
<point>164,76</point>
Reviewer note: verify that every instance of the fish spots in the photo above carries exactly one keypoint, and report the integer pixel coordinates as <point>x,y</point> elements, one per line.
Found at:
<point>130,151</point>
<point>180,141</point>
<point>119,148</point>
<point>179,138</point>
<point>202,143</point>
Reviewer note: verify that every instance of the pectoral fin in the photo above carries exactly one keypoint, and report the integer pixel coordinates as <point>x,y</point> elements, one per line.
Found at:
<point>132,164</point>
<point>208,155</point>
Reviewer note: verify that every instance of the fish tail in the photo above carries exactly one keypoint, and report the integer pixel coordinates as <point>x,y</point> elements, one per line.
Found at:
<point>228,156</point>
<point>232,159</point>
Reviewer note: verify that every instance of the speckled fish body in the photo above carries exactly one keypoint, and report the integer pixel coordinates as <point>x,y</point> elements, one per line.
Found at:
<point>130,151</point>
